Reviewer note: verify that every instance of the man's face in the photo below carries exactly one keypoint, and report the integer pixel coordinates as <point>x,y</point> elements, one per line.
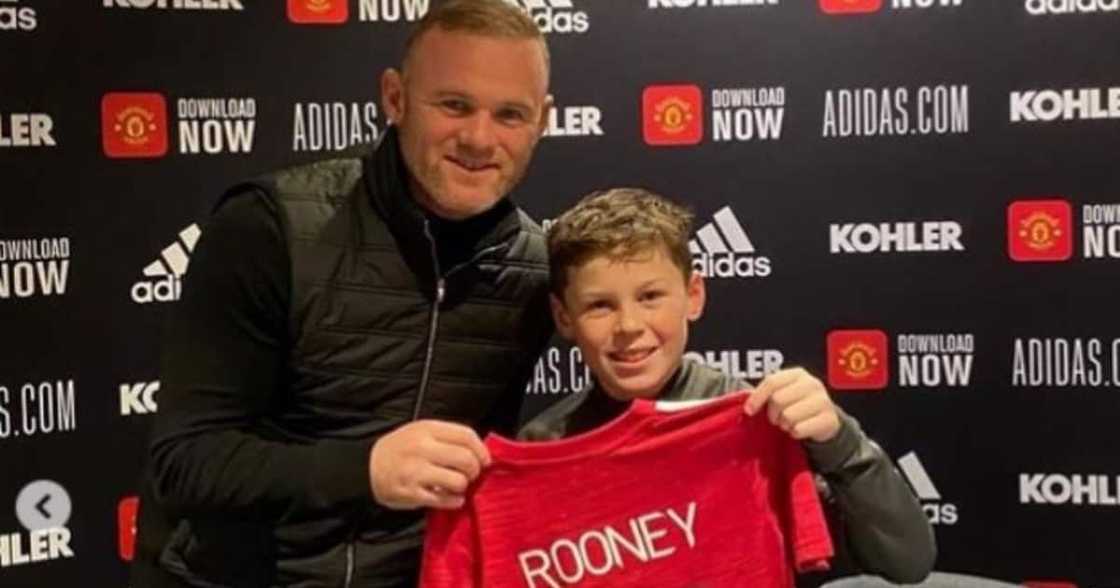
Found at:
<point>469,110</point>
<point>630,319</point>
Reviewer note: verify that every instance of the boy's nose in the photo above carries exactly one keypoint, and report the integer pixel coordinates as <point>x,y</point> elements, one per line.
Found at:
<point>628,321</point>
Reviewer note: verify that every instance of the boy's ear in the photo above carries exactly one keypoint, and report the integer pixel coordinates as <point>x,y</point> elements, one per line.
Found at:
<point>560,317</point>
<point>696,295</point>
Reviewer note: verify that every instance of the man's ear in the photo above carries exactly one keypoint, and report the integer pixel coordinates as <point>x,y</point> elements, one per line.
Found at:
<point>546,109</point>
<point>392,95</point>
<point>560,317</point>
<point>697,295</point>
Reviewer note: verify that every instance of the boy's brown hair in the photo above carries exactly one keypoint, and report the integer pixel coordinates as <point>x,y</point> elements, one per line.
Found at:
<point>620,223</point>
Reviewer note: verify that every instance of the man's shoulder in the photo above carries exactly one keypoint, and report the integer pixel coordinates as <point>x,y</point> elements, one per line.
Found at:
<point>527,240</point>
<point>324,179</point>
<point>300,197</point>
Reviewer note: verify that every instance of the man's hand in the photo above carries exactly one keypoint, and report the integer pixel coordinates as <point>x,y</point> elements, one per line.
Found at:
<point>425,464</point>
<point>797,403</point>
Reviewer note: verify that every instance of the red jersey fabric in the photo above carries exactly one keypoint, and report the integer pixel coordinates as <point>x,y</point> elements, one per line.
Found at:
<point>696,496</point>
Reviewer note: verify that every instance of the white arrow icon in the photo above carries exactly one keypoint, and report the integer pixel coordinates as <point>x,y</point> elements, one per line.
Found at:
<point>43,504</point>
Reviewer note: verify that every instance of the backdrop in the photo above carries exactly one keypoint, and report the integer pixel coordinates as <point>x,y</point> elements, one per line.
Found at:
<point>915,199</point>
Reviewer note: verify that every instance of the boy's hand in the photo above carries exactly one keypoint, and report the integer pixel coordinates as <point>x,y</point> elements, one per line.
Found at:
<point>797,403</point>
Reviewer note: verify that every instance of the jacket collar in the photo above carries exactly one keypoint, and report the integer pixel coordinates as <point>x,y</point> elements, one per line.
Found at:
<point>387,182</point>
<point>598,407</point>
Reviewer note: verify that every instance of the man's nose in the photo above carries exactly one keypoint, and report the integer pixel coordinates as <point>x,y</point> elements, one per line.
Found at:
<point>478,133</point>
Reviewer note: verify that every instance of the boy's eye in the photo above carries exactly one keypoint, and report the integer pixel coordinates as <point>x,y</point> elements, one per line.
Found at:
<point>651,295</point>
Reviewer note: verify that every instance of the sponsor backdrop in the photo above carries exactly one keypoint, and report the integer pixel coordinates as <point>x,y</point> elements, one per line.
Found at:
<point>915,199</point>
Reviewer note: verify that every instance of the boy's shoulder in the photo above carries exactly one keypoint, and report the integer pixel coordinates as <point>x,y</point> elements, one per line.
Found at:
<point>554,422</point>
<point>589,408</point>
<point>697,381</point>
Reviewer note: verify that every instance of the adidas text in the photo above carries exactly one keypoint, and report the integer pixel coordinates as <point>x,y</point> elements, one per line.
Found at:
<point>15,18</point>
<point>938,511</point>
<point>555,16</point>
<point>730,265</point>
<point>167,289</point>
<point>1042,7</point>
<point>164,275</point>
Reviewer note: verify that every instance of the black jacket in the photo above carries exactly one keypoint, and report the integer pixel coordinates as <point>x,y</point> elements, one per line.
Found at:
<point>877,524</point>
<point>258,463</point>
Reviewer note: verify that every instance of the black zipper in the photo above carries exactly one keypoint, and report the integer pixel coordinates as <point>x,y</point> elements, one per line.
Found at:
<point>349,563</point>
<point>433,324</point>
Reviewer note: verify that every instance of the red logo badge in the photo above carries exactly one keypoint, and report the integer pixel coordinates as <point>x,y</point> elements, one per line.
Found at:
<point>672,115</point>
<point>851,6</point>
<point>1040,230</point>
<point>134,124</point>
<point>318,11</point>
<point>857,360</point>
<point>126,527</point>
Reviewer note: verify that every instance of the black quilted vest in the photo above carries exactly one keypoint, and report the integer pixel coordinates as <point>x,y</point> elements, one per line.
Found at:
<point>380,337</point>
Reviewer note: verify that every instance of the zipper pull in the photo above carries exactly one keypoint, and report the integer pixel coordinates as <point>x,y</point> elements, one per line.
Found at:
<point>441,289</point>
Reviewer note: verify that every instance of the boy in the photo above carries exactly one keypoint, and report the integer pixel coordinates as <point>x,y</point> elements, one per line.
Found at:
<point>624,292</point>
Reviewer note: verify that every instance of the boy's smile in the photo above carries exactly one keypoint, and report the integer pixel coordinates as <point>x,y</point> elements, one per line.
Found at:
<point>630,318</point>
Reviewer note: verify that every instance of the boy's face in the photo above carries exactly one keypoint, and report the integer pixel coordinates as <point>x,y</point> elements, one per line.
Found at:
<point>630,319</point>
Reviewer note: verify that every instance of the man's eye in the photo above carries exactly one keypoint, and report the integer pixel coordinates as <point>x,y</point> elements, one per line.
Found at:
<point>512,116</point>
<point>455,106</point>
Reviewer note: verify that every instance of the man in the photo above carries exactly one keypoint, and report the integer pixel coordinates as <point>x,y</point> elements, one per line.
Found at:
<point>348,327</point>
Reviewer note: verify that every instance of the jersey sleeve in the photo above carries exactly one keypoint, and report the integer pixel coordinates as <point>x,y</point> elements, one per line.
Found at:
<point>799,506</point>
<point>451,550</point>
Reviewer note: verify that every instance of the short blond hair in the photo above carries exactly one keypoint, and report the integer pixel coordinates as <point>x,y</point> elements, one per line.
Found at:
<point>487,18</point>
<point>620,223</point>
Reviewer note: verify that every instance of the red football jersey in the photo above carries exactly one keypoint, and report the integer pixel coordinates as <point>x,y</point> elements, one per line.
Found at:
<point>692,496</point>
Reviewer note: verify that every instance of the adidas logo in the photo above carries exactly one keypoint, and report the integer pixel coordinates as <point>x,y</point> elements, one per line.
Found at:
<point>939,513</point>
<point>555,16</point>
<point>164,283</point>
<point>918,477</point>
<point>722,249</point>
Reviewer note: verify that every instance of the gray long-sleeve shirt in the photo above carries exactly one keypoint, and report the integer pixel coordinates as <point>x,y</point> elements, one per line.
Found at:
<point>878,526</point>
